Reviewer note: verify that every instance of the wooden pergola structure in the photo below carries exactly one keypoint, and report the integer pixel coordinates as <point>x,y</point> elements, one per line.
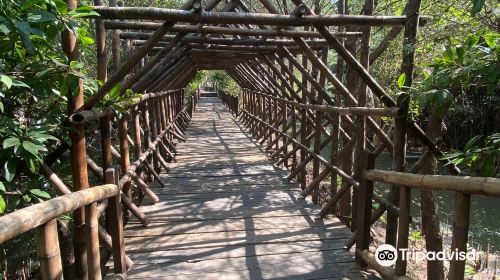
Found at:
<point>291,99</point>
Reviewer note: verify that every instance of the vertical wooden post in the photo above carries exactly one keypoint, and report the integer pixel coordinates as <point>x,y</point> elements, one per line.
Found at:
<point>461,222</point>
<point>364,206</point>
<point>399,153</point>
<point>107,158</point>
<point>117,239</point>
<point>270,118</point>
<point>335,134</point>
<point>47,244</point>
<point>92,241</point>
<point>304,128</point>
<point>398,164</point>
<point>125,155</point>
<point>284,129</point>
<point>78,153</point>
<point>115,40</point>
<point>100,34</point>
<point>362,97</point>
<point>276,122</point>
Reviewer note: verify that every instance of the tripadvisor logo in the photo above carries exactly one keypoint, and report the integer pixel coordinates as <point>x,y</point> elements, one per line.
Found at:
<point>386,255</point>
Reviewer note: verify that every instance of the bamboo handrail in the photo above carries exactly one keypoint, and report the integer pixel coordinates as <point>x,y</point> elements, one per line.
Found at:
<point>22,220</point>
<point>464,184</point>
<point>367,111</point>
<point>86,116</point>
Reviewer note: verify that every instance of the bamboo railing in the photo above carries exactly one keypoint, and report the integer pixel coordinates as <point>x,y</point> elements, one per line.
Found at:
<point>42,218</point>
<point>157,120</point>
<point>463,187</point>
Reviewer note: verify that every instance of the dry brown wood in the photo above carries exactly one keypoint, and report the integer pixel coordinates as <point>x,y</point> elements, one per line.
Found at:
<point>31,217</point>
<point>463,184</point>
<point>243,18</point>
<point>78,153</point>
<point>206,29</point>
<point>116,225</point>
<point>47,244</point>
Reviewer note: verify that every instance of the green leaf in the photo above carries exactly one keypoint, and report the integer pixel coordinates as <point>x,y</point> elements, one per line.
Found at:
<point>471,40</point>
<point>75,65</point>
<point>11,142</point>
<point>42,16</point>
<point>82,11</point>
<point>84,40</point>
<point>61,5</point>
<point>477,6</point>
<point>17,83</point>
<point>2,204</point>
<point>33,164</point>
<point>32,147</point>
<point>6,80</point>
<point>9,169</point>
<point>29,3</point>
<point>491,39</point>
<point>488,168</point>
<point>470,144</point>
<point>24,29</point>
<point>401,80</point>
<point>1,107</point>
<point>460,53</point>
<point>40,193</point>
<point>4,28</point>
<point>2,186</point>
<point>448,54</point>
<point>113,93</point>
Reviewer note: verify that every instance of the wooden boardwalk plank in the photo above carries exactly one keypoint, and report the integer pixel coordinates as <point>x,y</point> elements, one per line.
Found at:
<point>226,212</point>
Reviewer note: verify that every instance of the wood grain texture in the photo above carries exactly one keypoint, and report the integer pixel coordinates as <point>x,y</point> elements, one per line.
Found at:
<point>227,212</point>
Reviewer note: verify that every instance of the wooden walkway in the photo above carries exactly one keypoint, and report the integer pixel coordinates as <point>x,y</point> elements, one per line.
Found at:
<point>227,213</point>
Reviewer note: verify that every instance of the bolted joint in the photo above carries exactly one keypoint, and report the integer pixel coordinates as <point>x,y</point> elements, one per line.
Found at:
<point>197,7</point>
<point>300,10</point>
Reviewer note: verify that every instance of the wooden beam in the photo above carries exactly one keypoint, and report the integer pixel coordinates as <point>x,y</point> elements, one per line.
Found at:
<point>149,13</point>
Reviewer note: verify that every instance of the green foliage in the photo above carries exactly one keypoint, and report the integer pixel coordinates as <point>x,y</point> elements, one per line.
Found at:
<point>225,82</point>
<point>416,236</point>
<point>462,67</point>
<point>119,99</point>
<point>479,155</point>
<point>35,77</point>
<point>477,5</point>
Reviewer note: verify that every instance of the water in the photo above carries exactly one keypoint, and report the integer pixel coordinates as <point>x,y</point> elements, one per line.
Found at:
<point>484,215</point>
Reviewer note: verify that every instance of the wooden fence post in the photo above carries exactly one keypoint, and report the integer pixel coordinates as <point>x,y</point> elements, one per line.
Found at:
<point>399,162</point>
<point>47,244</point>
<point>364,206</point>
<point>461,222</point>
<point>116,225</point>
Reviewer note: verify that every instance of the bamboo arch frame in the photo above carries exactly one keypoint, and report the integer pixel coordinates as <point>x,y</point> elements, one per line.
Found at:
<point>279,92</point>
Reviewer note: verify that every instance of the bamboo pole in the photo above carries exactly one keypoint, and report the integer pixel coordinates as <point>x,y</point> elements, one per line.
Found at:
<point>117,235</point>
<point>47,243</point>
<point>132,61</point>
<point>175,15</point>
<point>218,30</point>
<point>364,207</point>
<point>360,121</point>
<point>78,153</point>
<point>92,241</point>
<point>28,218</point>
<point>461,221</point>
